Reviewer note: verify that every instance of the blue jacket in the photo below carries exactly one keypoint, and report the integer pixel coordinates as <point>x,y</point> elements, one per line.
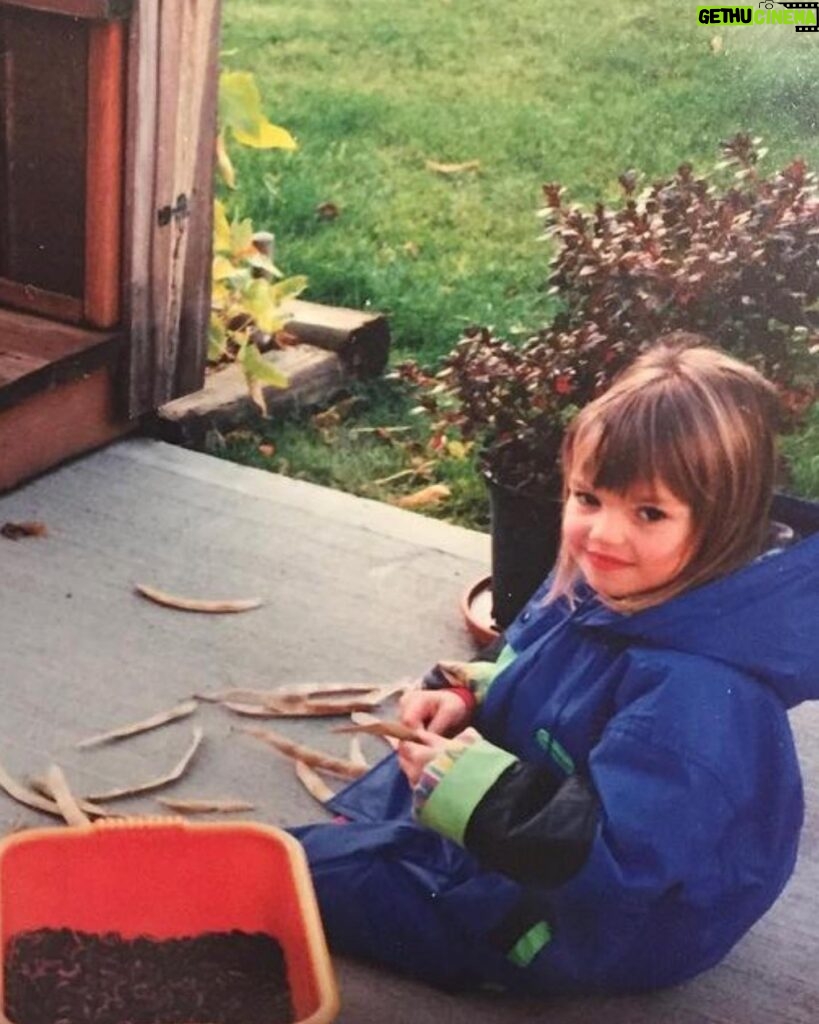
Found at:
<point>675,720</point>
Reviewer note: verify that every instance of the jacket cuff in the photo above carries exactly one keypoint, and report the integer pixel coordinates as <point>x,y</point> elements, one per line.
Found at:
<point>477,676</point>
<point>460,779</point>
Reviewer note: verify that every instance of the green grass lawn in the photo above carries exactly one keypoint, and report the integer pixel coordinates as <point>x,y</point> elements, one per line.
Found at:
<point>535,92</point>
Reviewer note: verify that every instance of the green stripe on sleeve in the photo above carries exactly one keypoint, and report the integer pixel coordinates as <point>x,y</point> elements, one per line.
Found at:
<point>558,752</point>
<point>529,945</point>
<point>462,787</point>
<point>482,683</point>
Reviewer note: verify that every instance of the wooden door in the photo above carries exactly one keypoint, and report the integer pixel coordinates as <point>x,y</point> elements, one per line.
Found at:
<point>107,129</point>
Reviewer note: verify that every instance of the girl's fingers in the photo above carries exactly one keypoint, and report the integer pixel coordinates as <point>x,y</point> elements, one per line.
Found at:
<point>413,756</point>
<point>417,709</point>
<point>445,718</point>
<point>437,711</point>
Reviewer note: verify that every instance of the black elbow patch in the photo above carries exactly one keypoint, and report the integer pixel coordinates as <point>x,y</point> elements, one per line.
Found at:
<point>533,828</point>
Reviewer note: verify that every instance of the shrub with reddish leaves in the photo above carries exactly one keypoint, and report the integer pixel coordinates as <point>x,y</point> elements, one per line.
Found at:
<point>733,256</point>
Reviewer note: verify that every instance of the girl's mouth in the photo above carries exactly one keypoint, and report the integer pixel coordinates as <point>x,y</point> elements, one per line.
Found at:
<point>606,563</point>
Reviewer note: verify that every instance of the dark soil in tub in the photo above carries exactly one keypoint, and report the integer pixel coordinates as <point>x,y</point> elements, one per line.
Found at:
<point>59,976</point>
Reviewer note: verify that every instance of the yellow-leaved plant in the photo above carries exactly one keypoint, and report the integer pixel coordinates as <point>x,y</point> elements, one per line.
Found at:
<point>248,289</point>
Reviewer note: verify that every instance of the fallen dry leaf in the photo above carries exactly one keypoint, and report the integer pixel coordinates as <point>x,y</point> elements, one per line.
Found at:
<point>29,798</point>
<point>240,436</point>
<point>333,416</point>
<point>327,211</point>
<point>356,753</point>
<point>379,727</point>
<point>293,691</point>
<point>382,432</point>
<point>190,604</point>
<point>454,672</point>
<point>365,718</point>
<point>286,339</point>
<point>313,758</point>
<point>431,495</point>
<point>422,469</point>
<point>268,450</point>
<point>313,782</point>
<point>161,718</point>
<point>175,773</point>
<point>717,44</point>
<point>64,798</point>
<point>300,707</point>
<point>14,531</point>
<point>204,806</point>
<point>467,165</point>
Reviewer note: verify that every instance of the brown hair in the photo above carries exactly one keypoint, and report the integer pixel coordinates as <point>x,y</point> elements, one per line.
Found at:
<point>701,422</point>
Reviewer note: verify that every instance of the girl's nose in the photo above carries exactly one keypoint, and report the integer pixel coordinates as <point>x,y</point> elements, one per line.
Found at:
<point>607,528</point>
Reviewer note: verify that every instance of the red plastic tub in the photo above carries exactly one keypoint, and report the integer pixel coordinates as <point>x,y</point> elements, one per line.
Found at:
<point>171,879</point>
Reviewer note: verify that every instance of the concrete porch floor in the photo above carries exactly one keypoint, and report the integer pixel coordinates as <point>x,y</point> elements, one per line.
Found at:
<point>353,591</point>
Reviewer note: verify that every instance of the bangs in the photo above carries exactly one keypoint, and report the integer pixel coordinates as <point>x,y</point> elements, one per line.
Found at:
<point>637,439</point>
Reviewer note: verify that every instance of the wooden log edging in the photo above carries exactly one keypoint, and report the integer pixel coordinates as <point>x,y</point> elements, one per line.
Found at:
<point>224,403</point>
<point>336,346</point>
<point>361,339</point>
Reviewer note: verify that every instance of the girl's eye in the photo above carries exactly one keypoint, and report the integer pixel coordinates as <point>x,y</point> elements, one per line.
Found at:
<point>651,514</point>
<point>586,499</point>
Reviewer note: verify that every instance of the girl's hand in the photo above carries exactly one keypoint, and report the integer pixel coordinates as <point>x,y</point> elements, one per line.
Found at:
<point>437,711</point>
<point>413,757</point>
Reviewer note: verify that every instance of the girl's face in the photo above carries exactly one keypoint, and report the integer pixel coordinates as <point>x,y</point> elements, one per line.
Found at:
<point>627,544</point>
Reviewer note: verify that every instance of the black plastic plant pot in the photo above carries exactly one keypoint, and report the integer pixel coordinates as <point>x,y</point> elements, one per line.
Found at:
<point>525,540</point>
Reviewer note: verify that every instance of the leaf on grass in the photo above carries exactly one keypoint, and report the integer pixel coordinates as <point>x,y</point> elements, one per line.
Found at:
<point>423,469</point>
<point>717,44</point>
<point>205,806</point>
<point>175,773</point>
<point>467,165</point>
<point>266,136</point>
<point>327,419</point>
<point>29,798</point>
<point>160,718</point>
<point>313,758</point>
<point>426,496</point>
<point>190,604</point>
<point>64,798</point>
<point>14,531</point>
<point>313,782</point>
<point>327,211</point>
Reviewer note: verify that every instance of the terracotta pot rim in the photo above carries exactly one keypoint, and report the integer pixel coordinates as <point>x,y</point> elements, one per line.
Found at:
<point>479,629</point>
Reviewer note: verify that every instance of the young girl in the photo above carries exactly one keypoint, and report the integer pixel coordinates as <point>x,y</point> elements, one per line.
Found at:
<point>622,799</point>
